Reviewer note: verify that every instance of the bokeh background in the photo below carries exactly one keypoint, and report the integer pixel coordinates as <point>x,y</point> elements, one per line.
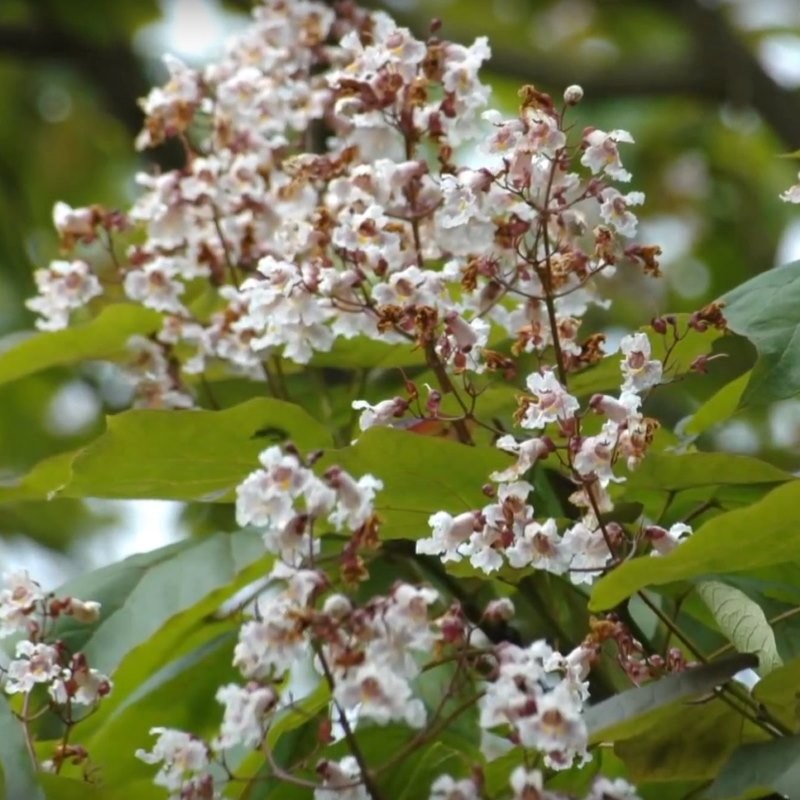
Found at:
<point>708,89</point>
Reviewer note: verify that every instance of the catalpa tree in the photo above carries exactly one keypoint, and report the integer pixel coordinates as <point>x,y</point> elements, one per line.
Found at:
<point>468,562</point>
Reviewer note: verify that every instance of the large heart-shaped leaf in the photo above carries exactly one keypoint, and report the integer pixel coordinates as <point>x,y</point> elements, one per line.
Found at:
<point>780,692</point>
<point>764,309</point>
<point>720,407</point>
<point>758,535</point>
<point>152,603</point>
<point>179,584</point>
<point>664,752</point>
<point>188,455</point>
<point>757,768</point>
<point>671,472</point>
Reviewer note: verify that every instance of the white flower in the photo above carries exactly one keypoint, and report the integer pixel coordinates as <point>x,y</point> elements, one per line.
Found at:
<point>552,403</point>
<point>246,709</point>
<point>587,550</point>
<point>73,223</point>
<point>155,286</point>
<point>281,480</point>
<point>608,789</point>
<point>449,533</point>
<point>614,209</point>
<point>620,411</point>
<point>354,499</point>
<point>792,194</point>
<point>63,287</point>
<point>341,781</point>
<point>483,554</point>
<point>34,663</point>
<point>526,784</point>
<point>18,599</point>
<point>383,413</point>
<point>556,729</point>
<point>184,760</point>
<point>665,541</point>
<point>380,695</point>
<point>273,644</point>
<point>528,452</point>
<point>446,787</point>
<point>602,155</point>
<point>639,371</point>
<point>538,546</point>
<point>596,454</point>
<point>84,686</point>
<point>86,612</point>
<point>401,628</point>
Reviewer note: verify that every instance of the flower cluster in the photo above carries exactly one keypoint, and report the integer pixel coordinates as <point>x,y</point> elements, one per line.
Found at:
<point>508,529</point>
<point>42,661</point>
<point>324,197</point>
<point>371,654</point>
<point>382,235</point>
<point>285,497</point>
<point>540,694</point>
<point>526,784</point>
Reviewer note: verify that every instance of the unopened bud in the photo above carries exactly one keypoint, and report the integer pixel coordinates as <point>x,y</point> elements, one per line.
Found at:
<point>500,610</point>
<point>573,95</point>
<point>84,612</point>
<point>659,325</point>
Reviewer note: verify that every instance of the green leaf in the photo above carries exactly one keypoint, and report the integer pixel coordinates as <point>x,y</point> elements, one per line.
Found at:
<point>624,715</point>
<point>743,623</point>
<point>105,337</point>
<point>19,779</point>
<point>420,475</point>
<point>759,767</point>
<point>59,787</point>
<point>664,752</point>
<point>152,603</point>
<point>433,760</point>
<point>719,407</point>
<point>673,472</point>
<point>188,455</point>
<point>764,309</point>
<point>758,535</point>
<point>42,482</point>
<point>780,692</point>
<point>362,353</point>
<point>185,700</point>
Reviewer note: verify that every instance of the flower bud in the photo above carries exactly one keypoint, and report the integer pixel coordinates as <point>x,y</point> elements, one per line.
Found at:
<point>573,95</point>
<point>500,610</point>
<point>659,325</point>
<point>84,611</point>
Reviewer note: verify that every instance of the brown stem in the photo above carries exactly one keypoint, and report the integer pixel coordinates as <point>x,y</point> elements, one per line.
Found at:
<point>549,300</point>
<point>447,387</point>
<point>366,776</point>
